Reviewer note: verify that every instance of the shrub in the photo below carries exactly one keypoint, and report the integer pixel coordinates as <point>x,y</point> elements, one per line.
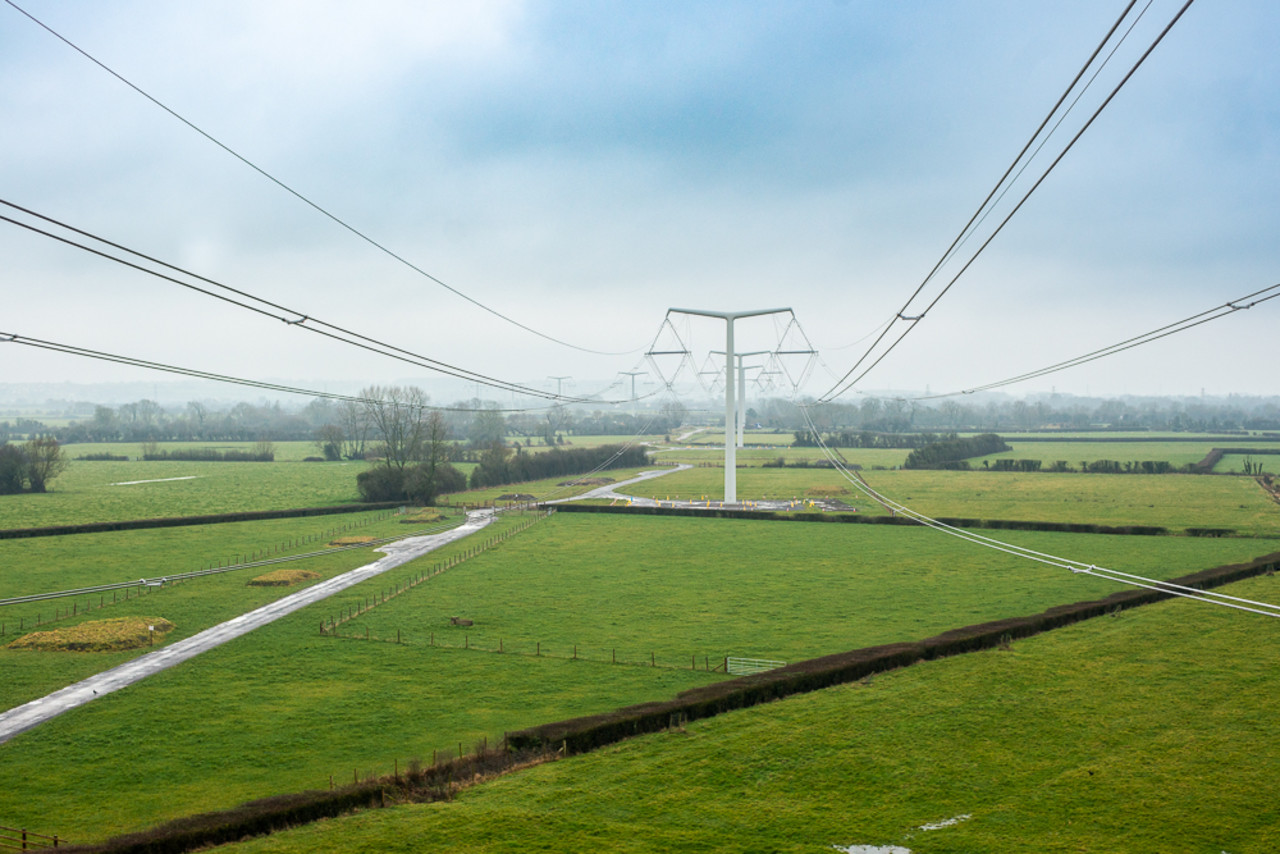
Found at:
<point>381,484</point>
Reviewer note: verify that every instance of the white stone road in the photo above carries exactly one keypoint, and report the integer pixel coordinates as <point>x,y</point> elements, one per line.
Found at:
<point>25,717</point>
<point>611,490</point>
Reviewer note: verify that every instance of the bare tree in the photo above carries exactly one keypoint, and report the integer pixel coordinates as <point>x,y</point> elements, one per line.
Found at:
<point>557,418</point>
<point>45,461</point>
<point>673,412</point>
<point>425,482</point>
<point>399,417</point>
<point>329,441</point>
<point>353,418</point>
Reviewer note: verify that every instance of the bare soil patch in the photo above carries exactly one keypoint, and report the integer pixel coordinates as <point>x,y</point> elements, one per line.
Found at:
<point>351,541</point>
<point>284,578</point>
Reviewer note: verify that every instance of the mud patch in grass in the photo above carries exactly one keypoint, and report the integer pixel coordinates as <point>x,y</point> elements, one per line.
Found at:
<point>284,578</point>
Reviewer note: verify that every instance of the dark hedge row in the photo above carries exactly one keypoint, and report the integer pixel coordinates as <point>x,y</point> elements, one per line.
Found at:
<point>1215,456</point>
<point>587,733</point>
<point>498,468</point>
<point>951,453</point>
<point>1049,436</point>
<point>181,521</point>
<point>284,811</point>
<point>210,455</point>
<point>860,519</point>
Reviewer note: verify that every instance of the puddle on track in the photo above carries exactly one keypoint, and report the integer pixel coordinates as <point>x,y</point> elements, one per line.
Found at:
<point>950,822</point>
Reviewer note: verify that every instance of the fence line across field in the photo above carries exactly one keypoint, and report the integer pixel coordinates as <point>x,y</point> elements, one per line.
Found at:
<point>21,839</point>
<point>730,665</point>
<point>349,613</point>
<point>256,559</point>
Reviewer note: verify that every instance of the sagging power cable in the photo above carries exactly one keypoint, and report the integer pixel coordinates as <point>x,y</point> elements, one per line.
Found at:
<point>1265,609</point>
<point>259,305</point>
<point>307,200</point>
<point>1216,313</point>
<point>845,383</point>
<point>102,356</point>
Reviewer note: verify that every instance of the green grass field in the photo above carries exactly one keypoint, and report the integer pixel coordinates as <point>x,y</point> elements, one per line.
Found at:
<point>114,491</point>
<point>1174,501</point>
<point>284,708</point>
<point>293,707</point>
<point>49,564</point>
<point>1148,732</point>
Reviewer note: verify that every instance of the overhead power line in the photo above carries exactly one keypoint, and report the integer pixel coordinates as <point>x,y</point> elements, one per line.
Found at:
<point>1227,308</point>
<point>912,320</point>
<point>1265,609</point>
<point>267,308</point>
<point>307,200</point>
<point>103,356</point>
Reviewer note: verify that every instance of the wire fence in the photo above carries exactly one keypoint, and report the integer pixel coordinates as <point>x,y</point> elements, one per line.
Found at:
<point>82,598</point>
<point>21,839</point>
<point>348,613</point>
<point>559,650</point>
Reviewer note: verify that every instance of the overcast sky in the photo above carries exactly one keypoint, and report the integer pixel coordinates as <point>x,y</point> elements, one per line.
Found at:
<point>582,167</point>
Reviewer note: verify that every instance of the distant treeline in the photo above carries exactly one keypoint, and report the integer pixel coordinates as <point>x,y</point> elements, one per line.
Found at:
<point>869,439</point>
<point>499,466</point>
<point>259,454</point>
<point>953,453</point>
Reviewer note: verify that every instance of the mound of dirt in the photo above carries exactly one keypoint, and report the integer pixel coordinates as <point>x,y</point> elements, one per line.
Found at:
<point>284,578</point>
<point>588,481</point>
<point>516,496</point>
<point>351,541</point>
<point>417,517</point>
<point>97,636</point>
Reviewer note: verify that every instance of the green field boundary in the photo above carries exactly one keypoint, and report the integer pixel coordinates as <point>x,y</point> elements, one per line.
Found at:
<point>867,519</point>
<point>182,521</point>
<point>442,778</point>
<point>588,733</point>
<point>1049,437</point>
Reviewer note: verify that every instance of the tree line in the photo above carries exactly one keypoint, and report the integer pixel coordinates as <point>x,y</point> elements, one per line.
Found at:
<point>499,466</point>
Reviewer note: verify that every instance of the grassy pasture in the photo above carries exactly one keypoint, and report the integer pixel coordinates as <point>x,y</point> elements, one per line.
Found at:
<point>291,707</point>
<point>46,564</point>
<point>89,491</point>
<point>1174,501</point>
<point>1234,463</point>
<point>865,457</point>
<point>686,588</point>
<point>1152,731</point>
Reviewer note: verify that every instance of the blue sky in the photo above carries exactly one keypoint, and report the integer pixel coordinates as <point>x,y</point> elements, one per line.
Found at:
<point>582,167</point>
